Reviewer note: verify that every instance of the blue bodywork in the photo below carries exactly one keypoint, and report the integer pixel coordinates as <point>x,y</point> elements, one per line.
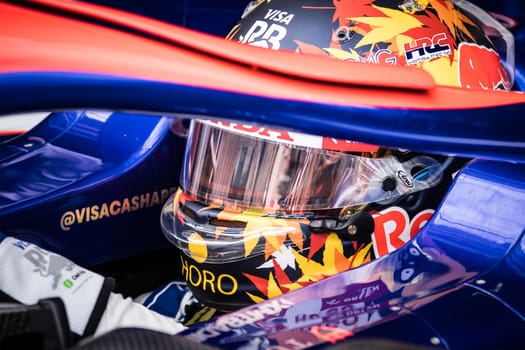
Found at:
<point>90,184</point>
<point>455,286</point>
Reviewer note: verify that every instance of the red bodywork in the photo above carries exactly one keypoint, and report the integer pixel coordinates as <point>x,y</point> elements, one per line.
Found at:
<point>148,49</point>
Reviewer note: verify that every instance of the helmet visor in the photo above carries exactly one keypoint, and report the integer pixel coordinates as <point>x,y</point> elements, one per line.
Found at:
<point>240,167</point>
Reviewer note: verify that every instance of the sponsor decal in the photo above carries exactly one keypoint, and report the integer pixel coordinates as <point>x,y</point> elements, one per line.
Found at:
<point>480,68</point>
<point>279,16</point>
<point>68,283</point>
<point>394,228</point>
<point>329,319</point>
<point>294,138</point>
<point>48,264</point>
<point>208,281</point>
<point>256,131</point>
<point>405,179</point>
<point>262,34</point>
<point>269,32</point>
<point>236,320</point>
<point>114,208</point>
<point>56,271</point>
<point>425,49</point>
<point>383,56</point>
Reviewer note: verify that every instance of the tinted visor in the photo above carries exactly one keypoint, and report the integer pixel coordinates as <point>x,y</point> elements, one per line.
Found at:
<point>284,171</point>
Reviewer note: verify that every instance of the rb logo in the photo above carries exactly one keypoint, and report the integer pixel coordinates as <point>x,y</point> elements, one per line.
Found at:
<point>263,35</point>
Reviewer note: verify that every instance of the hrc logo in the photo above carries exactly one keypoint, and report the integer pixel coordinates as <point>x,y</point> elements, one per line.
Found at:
<point>425,49</point>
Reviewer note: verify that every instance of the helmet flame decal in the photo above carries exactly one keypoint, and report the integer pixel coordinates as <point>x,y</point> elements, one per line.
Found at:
<point>422,33</point>
<point>346,9</point>
<point>257,227</point>
<point>384,23</point>
<point>386,27</point>
<point>333,262</point>
<point>452,19</point>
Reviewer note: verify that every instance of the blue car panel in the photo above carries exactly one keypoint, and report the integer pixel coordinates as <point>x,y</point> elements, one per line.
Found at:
<point>90,184</point>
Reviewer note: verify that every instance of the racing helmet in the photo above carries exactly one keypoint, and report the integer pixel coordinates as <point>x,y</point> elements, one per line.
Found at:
<point>261,211</point>
<point>456,42</point>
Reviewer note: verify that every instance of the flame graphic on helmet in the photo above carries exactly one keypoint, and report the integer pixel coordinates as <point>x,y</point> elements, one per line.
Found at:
<point>333,262</point>
<point>381,24</point>
<point>384,33</point>
<point>260,225</point>
<point>294,256</point>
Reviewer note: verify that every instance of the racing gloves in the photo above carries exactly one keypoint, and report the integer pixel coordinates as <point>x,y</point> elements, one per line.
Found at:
<point>29,273</point>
